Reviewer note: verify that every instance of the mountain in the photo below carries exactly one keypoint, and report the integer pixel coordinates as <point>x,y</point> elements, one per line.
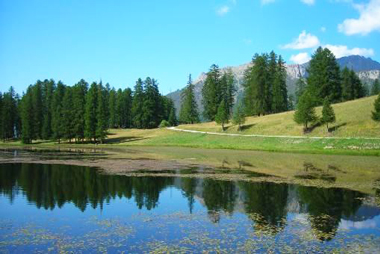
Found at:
<point>367,69</point>
<point>358,63</point>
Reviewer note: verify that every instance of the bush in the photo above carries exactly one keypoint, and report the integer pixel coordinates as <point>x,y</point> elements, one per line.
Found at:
<point>164,124</point>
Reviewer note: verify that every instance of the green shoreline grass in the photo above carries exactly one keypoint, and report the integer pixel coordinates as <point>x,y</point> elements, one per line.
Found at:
<point>119,138</point>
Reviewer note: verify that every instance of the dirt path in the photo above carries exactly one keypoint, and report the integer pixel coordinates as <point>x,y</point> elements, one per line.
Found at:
<point>265,136</point>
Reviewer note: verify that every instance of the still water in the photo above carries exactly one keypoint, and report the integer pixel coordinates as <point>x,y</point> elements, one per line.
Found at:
<point>70,208</point>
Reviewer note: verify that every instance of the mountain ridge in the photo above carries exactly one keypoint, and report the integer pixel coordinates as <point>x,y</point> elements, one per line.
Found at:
<point>359,64</point>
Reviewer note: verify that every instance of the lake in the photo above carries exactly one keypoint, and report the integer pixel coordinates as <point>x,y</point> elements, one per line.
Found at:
<point>82,209</point>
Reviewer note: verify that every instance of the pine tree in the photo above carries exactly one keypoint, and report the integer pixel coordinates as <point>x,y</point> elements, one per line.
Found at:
<point>48,91</point>
<point>8,114</point>
<point>101,114</point>
<point>375,87</point>
<point>300,88</point>
<point>172,117</point>
<point>211,94</point>
<point>90,116</point>
<point>137,104</point>
<point>255,79</point>
<point>38,109</point>
<point>324,76</point>
<point>1,113</point>
<point>279,93</point>
<point>376,113</point>
<point>271,84</point>
<point>27,117</point>
<point>328,115</point>
<point>222,114</point>
<point>79,102</point>
<point>189,108</point>
<point>239,116</point>
<point>352,87</point>
<point>112,108</point>
<point>68,115</point>
<point>228,90</point>
<point>305,112</point>
<point>57,112</point>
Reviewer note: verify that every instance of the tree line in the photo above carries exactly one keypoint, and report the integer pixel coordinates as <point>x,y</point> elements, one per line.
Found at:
<point>83,112</point>
<point>265,91</point>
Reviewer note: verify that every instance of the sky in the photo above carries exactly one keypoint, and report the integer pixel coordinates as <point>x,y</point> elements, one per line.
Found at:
<point>119,41</point>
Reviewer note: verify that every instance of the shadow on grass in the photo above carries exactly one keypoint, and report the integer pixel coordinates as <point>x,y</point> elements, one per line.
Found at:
<point>246,126</point>
<point>120,140</point>
<point>336,127</point>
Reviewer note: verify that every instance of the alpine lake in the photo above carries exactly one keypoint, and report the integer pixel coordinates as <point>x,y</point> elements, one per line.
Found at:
<point>116,201</point>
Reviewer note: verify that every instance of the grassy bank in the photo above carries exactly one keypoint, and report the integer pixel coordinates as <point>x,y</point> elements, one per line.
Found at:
<point>353,119</point>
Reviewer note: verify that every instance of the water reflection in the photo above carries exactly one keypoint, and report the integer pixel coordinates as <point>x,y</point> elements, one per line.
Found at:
<point>266,204</point>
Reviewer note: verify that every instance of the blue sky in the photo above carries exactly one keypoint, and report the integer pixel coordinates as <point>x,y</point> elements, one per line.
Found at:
<point>120,41</point>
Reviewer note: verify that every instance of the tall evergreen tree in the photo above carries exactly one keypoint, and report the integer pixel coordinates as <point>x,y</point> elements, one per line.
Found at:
<point>239,116</point>
<point>112,108</point>
<point>376,112</point>
<point>271,85</point>
<point>27,117</point>
<point>375,87</point>
<point>211,94</point>
<point>222,116</point>
<point>300,88</point>
<point>324,76</point>
<point>8,114</point>
<point>228,90</point>
<point>352,87</point>
<point>137,104</point>
<point>68,115</point>
<point>1,113</point>
<point>280,92</point>
<point>38,109</point>
<point>152,108</point>
<point>79,103</point>
<point>90,116</point>
<point>328,115</point>
<point>172,117</point>
<point>305,112</point>
<point>255,79</point>
<point>57,112</point>
<point>48,91</point>
<point>189,108</point>
<point>101,114</point>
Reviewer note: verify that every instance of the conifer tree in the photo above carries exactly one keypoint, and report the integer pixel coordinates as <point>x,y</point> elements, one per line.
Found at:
<point>271,84</point>
<point>189,108</point>
<point>324,76</point>
<point>228,90</point>
<point>300,88</point>
<point>172,117</point>
<point>112,108</point>
<point>239,116</point>
<point>79,103</point>
<point>211,94</point>
<point>305,112</point>
<point>375,87</point>
<point>255,79</point>
<point>352,87</point>
<point>48,91</point>
<point>90,116</point>
<point>101,114</point>
<point>328,115</point>
<point>1,113</point>
<point>137,104</point>
<point>222,114</point>
<point>68,115</point>
<point>279,92</point>
<point>57,112</point>
<point>38,109</point>
<point>376,112</point>
<point>127,112</point>
<point>8,114</point>
<point>27,117</point>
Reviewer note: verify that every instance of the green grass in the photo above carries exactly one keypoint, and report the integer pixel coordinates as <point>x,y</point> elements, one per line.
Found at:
<point>353,119</point>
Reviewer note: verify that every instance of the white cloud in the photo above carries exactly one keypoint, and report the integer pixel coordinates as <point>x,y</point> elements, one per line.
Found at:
<point>368,21</point>
<point>300,58</point>
<point>308,2</point>
<point>304,41</point>
<point>323,29</point>
<point>263,2</point>
<point>223,10</point>
<point>341,51</point>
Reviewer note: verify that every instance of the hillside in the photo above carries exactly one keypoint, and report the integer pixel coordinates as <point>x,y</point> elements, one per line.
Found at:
<point>353,120</point>
<point>367,69</point>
